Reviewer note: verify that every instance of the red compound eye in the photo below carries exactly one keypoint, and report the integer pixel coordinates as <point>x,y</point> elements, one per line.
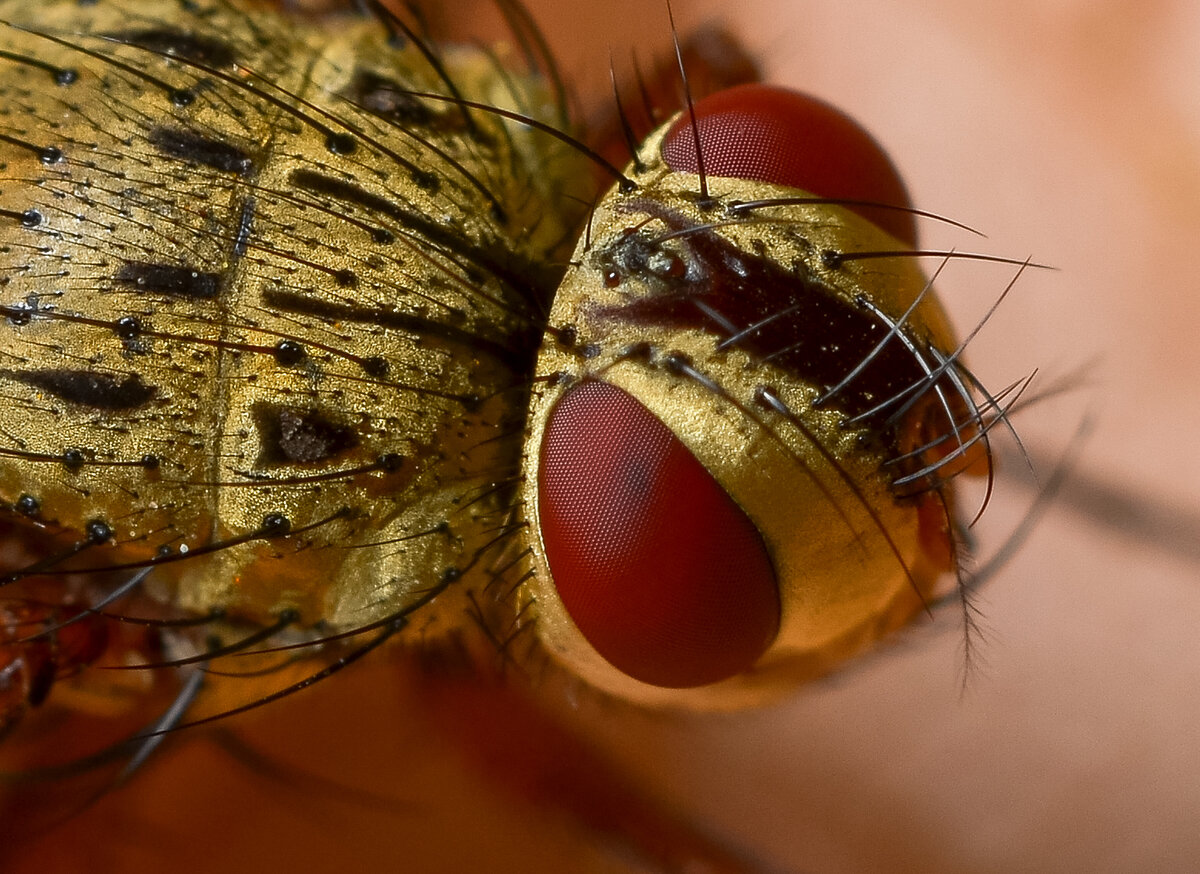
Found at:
<point>661,571</point>
<point>773,135</point>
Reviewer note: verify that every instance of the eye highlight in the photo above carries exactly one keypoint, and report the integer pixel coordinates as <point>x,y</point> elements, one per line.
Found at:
<point>663,574</point>
<point>774,135</point>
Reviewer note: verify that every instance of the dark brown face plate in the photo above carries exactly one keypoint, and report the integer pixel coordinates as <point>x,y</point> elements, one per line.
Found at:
<point>782,314</point>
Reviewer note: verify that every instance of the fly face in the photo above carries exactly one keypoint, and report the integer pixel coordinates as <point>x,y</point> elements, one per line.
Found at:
<point>761,400</point>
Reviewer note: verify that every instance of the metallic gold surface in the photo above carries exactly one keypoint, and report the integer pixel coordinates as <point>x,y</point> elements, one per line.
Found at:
<point>414,299</point>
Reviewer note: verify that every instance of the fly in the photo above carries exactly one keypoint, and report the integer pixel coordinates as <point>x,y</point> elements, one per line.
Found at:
<point>314,349</point>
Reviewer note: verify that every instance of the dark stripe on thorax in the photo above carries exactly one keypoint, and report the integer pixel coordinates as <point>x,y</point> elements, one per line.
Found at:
<point>197,148</point>
<point>514,355</point>
<point>532,279</point>
<point>169,279</point>
<point>179,43</point>
<point>85,388</point>
<point>294,435</point>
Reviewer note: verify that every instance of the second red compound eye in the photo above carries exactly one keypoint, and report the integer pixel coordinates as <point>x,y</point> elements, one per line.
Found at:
<point>660,570</point>
<point>767,134</point>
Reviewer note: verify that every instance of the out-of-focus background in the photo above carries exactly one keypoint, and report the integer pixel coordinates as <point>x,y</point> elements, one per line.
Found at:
<point>1069,131</point>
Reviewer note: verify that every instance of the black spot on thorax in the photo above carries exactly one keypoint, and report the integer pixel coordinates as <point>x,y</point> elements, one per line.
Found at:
<point>172,41</point>
<point>169,279</point>
<point>294,435</point>
<point>198,148</point>
<point>86,388</point>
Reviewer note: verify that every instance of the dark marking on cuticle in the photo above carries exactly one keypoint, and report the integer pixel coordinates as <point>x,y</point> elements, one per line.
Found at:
<point>341,144</point>
<point>394,103</point>
<point>169,279</point>
<point>86,388</point>
<point>348,192</point>
<point>198,148</point>
<point>781,314</point>
<point>295,303</point>
<point>375,366</point>
<point>179,43</point>
<point>536,280</point>
<point>295,435</point>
